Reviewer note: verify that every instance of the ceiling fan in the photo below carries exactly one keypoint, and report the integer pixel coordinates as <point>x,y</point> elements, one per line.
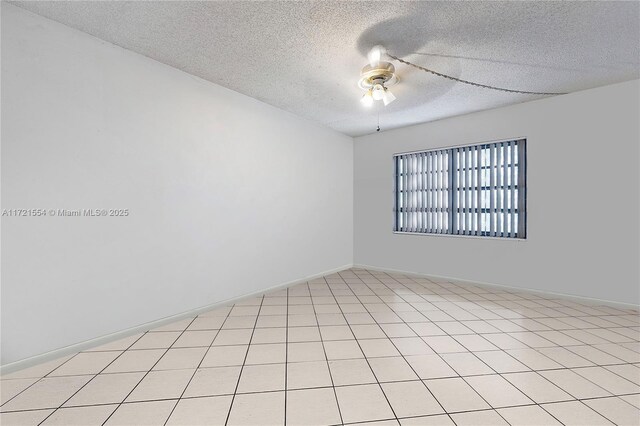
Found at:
<point>379,74</point>
<point>376,78</point>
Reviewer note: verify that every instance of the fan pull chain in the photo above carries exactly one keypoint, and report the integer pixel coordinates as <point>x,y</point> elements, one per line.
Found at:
<point>485,86</point>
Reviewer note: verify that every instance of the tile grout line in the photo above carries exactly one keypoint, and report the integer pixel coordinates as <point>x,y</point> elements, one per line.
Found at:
<point>90,380</point>
<point>324,351</point>
<point>244,361</point>
<point>463,378</point>
<point>393,411</point>
<point>199,363</point>
<point>148,371</point>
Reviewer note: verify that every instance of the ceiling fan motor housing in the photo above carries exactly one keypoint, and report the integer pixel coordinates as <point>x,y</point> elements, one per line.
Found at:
<point>380,73</point>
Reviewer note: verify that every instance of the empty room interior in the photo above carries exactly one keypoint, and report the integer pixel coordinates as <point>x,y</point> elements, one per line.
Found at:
<point>320,213</point>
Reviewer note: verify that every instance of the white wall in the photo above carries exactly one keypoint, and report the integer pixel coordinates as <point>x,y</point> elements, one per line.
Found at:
<point>227,195</point>
<point>583,187</point>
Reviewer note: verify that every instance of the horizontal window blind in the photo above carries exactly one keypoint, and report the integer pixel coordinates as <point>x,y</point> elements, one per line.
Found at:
<point>475,190</point>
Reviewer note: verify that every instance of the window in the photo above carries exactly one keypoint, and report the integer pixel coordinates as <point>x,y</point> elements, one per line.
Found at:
<point>469,190</point>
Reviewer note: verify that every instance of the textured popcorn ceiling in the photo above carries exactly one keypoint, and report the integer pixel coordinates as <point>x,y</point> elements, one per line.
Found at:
<point>305,57</point>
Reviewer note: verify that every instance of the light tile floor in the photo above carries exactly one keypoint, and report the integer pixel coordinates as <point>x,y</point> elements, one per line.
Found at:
<point>359,347</point>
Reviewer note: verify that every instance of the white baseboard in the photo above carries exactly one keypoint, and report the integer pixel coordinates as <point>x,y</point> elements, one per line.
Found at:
<point>575,298</point>
<point>71,349</point>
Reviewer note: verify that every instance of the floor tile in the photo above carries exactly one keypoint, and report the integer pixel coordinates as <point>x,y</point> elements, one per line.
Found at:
<point>81,416</point>
<point>466,364</point>
<point>368,331</point>
<point>411,346</point>
<point>444,344</point>
<point>262,378</point>
<point>106,389</point>
<point>625,354</point>
<point>161,385</point>
<point>628,371</point>
<point>141,413</point>
<point>190,339</point>
<point>411,399</point>
<point>427,329</point>
<point>501,361</point>
<point>373,348</point>
<point>454,328</point>
<point>12,387</point>
<point>497,391</point>
<point>342,349</point>
<point>257,409</point>
<point>430,366</point>
<point>392,369</point>
<point>615,410</point>
<point>206,323</point>
<point>156,340</point>
<point>232,323</point>
<point>537,388</point>
<point>301,375</point>
<point>397,330</point>
<point>632,399</point>
<point>363,403</point>
<point>224,356</point>
<point>85,363</point>
<point>213,381</point>
<point>131,361</point>
<point>504,341</point>
<point>336,332</point>
<point>607,380</point>
<point>456,395</point>
<point>437,420</point>
<point>351,372</point>
<point>530,415</point>
<point>565,357</point>
<point>594,355</point>
<point>24,418</point>
<point>305,351</point>
<point>575,413</point>
<point>200,411</point>
<point>574,384</point>
<point>47,393</point>
<point>475,342</point>
<point>179,358</point>
<point>533,359</point>
<point>269,335</point>
<point>303,334</point>
<point>480,418</point>
<point>233,337</point>
<point>267,354</point>
<point>312,407</point>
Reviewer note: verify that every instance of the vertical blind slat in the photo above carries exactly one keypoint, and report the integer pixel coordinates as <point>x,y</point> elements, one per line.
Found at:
<point>499,205</point>
<point>478,192</point>
<point>512,189</point>
<point>522,194</point>
<point>437,187</point>
<point>419,190</point>
<point>492,191</point>
<point>404,194</point>
<point>469,191</point>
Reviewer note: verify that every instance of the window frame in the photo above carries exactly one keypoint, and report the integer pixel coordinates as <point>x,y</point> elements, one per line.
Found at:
<point>522,199</point>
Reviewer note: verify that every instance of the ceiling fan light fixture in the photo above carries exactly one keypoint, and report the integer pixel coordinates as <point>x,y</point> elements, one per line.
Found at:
<point>387,97</point>
<point>378,92</point>
<point>367,98</point>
